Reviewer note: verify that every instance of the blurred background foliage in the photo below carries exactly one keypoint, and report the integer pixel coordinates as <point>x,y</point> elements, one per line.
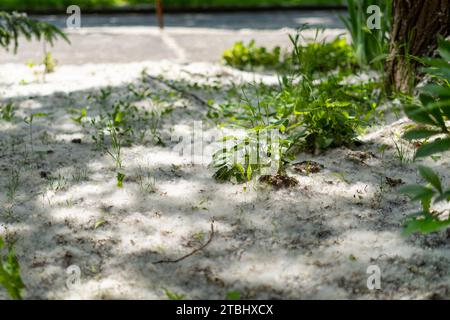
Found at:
<point>179,4</point>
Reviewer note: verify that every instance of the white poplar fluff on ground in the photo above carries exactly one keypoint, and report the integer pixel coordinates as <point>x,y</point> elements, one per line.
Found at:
<point>315,240</point>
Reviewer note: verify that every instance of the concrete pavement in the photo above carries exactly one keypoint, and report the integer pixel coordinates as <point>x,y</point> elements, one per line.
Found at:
<point>187,37</point>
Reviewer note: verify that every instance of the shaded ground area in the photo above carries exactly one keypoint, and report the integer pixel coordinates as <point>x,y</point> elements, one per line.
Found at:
<point>187,38</point>
<point>314,240</point>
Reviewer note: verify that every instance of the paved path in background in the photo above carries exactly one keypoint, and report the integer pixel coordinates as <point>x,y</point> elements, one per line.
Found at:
<point>187,37</point>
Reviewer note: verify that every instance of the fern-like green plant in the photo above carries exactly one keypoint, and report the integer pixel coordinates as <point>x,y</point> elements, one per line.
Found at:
<point>13,25</point>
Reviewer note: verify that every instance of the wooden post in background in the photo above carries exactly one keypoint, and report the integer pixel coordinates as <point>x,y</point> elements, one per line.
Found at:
<point>159,13</point>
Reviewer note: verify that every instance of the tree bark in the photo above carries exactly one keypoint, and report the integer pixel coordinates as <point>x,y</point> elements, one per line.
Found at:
<point>415,28</point>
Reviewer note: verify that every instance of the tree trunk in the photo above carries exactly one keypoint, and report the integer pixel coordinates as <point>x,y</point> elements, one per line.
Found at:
<point>415,28</point>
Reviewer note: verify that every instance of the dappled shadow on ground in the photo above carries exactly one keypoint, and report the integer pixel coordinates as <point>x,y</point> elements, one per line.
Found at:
<point>315,240</point>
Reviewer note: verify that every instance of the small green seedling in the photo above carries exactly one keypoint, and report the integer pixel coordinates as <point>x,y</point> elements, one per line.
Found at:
<point>49,63</point>
<point>120,177</point>
<point>13,185</point>
<point>341,176</point>
<point>58,183</point>
<point>172,295</point>
<point>403,153</point>
<point>233,295</point>
<point>80,115</point>
<point>7,112</point>
<point>29,121</point>
<point>116,148</point>
<point>80,174</point>
<point>146,181</point>
<point>10,277</point>
<point>99,223</point>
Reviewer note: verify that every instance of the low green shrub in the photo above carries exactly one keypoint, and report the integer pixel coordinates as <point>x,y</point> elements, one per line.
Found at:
<point>320,57</point>
<point>308,59</point>
<point>307,116</point>
<point>243,56</point>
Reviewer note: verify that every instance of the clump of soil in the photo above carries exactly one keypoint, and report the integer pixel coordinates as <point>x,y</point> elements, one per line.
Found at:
<point>394,182</point>
<point>307,167</point>
<point>279,181</point>
<point>360,156</point>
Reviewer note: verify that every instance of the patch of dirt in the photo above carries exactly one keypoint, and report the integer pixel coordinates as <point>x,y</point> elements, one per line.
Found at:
<point>394,182</point>
<point>307,167</point>
<point>279,181</point>
<point>360,156</point>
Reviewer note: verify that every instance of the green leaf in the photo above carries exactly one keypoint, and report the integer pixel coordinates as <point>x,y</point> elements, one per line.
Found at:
<point>173,296</point>
<point>233,295</point>
<point>10,277</point>
<point>424,223</point>
<point>419,114</point>
<point>442,106</point>
<point>426,204</point>
<point>444,196</point>
<point>227,138</point>
<point>118,118</point>
<point>436,90</point>
<point>240,168</point>
<point>429,175</point>
<point>416,192</point>
<point>416,134</point>
<point>99,223</point>
<point>439,145</point>
<point>444,48</point>
<point>120,177</point>
<point>40,115</point>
